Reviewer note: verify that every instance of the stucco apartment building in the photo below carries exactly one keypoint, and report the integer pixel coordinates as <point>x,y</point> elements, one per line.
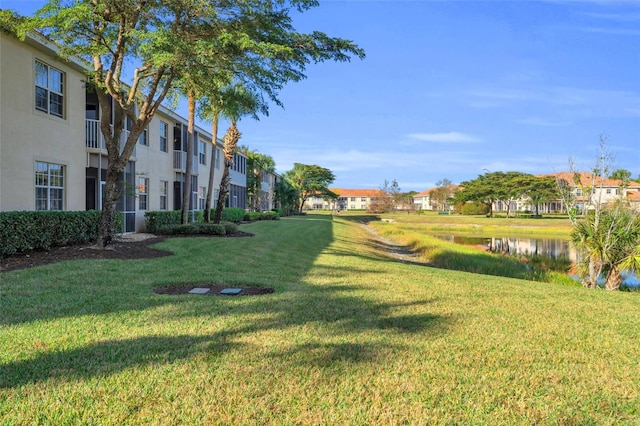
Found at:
<point>53,157</point>
<point>605,190</point>
<point>348,199</point>
<point>585,185</point>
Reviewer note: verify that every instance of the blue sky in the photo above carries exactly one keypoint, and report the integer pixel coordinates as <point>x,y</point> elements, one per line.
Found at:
<point>451,89</point>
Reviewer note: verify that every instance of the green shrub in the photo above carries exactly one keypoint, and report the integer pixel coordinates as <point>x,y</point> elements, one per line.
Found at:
<point>230,228</point>
<point>157,219</point>
<point>278,211</point>
<point>474,208</point>
<point>196,228</point>
<point>28,230</point>
<point>251,216</point>
<point>212,229</point>
<point>271,215</point>
<point>233,214</point>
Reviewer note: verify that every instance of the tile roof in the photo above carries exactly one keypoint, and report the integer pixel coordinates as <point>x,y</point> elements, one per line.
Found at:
<point>586,179</point>
<point>358,192</point>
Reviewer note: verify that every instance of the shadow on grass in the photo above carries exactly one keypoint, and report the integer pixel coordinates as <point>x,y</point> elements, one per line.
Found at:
<point>107,357</point>
<point>330,309</point>
<point>339,312</point>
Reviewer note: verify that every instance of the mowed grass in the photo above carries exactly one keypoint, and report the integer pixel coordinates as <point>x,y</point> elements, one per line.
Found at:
<point>419,234</point>
<point>348,337</point>
<point>547,226</point>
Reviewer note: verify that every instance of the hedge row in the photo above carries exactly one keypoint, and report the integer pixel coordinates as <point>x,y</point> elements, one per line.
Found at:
<point>269,215</point>
<point>226,228</point>
<point>28,230</point>
<point>155,220</point>
<point>474,208</point>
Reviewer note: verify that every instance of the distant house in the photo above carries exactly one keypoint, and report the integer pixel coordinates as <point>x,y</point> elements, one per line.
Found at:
<point>634,199</point>
<point>429,199</point>
<point>587,187</point>
<point>422,200</point>
<point>348,199</point>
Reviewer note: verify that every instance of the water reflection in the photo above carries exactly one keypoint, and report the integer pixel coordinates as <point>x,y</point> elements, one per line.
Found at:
<point>555,248</point>
<point>552,248</point>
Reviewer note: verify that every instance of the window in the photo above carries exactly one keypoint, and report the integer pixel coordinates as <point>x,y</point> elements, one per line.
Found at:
<point>202,191</point>
<point>363,199</point>
<point>579,192</point>
<point>164,136</point>
<point>217,158</point>
<point>49,186</point>
<point>216,195</point>
<point>164,190</point>
<point>353,206</point>
<point>143,192</point>
<point>353,199</point>
<point>49,89</point>
<point>143,139</point>
<point>202,152</point>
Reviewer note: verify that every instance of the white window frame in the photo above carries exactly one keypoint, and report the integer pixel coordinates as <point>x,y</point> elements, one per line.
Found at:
<point>202,191</point>
<point>46,85</point>
<point>164,136</point>
<point>202,153</point>
<point>164,194</point>
<point>143,193</point>
<point>51,183</point>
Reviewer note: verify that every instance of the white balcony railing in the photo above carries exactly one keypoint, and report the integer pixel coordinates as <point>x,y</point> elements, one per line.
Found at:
<point>180,162</point>
<point>94,138</point>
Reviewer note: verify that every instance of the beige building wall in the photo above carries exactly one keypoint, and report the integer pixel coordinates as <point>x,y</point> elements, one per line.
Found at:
<point>28,135</point>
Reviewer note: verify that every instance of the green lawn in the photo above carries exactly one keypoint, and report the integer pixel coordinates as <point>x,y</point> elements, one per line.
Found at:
<point>349,337</point>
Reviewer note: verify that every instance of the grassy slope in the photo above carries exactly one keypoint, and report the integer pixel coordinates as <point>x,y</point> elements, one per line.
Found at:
<point>349,337</point>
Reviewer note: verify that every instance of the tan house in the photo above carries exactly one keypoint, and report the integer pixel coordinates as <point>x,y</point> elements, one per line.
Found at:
<point>429,200</point>
<point>348,199</point>
<point>588,188</point>
<point>53,157</point>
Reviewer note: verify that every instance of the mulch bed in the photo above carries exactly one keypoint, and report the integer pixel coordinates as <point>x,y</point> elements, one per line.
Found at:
<point>116,250</point>
<point>119,249</point>
<point>214,289</point>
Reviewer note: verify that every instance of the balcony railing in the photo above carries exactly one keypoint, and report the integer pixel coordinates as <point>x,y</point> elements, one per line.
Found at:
<point>94,139</point>
<point>180,162</point>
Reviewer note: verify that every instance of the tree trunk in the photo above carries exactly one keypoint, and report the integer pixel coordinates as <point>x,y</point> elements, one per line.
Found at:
<point>613,280</point>
<point>117,161</point>
<point>212,167</point>
<point>231,139</point>
<point>223,193</point>
<point>186,190</point>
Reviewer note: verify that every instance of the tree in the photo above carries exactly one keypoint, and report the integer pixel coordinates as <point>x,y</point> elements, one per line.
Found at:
<point>441,195</point>
<point>286,196</point>
<point>309,180</point>
<point>607,236</point>
<point>254,39</point>
<point>492,187</point>
<point>621,174</point>
<point>239,101</point>
<point>540,190</point>
<point>258,165</point>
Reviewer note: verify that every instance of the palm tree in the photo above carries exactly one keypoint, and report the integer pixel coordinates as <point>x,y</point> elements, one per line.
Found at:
<point>238,101</point>
<point>610,245</point>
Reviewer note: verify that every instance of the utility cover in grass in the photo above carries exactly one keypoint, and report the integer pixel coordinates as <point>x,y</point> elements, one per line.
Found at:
<point>231,291</point>
<point>199,290</point>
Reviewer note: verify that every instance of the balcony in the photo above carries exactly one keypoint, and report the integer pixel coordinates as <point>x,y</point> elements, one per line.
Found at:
<point>180,162</point>
<point>95,140</point>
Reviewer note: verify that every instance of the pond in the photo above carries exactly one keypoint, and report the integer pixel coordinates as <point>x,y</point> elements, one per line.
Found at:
<point>552,248</point>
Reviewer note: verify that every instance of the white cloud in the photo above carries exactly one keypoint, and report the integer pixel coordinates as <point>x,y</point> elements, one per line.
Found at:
<point>451,137</point>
